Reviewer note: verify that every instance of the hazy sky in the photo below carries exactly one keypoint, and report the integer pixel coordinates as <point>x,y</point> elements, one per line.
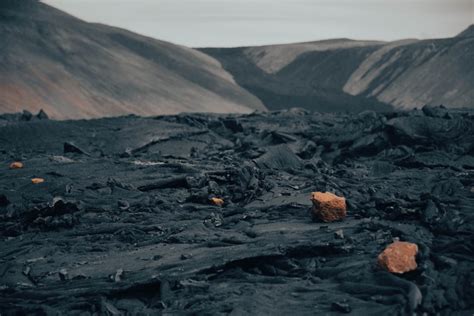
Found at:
<point>200,23</point>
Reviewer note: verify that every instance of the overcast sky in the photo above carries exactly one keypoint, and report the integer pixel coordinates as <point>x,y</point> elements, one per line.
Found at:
<point>200,23</point>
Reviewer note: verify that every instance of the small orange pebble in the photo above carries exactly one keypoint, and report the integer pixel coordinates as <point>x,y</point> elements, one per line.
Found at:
<point>328,207</point>
<point>399,257</point>
<point>16,165</point>
<point>37,180</point>
<point>217,201</point>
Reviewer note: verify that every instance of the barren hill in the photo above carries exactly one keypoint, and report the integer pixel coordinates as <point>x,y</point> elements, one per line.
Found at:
<point>344,74</point>
<point>74,69</point>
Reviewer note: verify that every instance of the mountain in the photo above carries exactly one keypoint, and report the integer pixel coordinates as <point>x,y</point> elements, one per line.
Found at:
<point>307,75</point>
<point>344,74</point>
<point>72,69</point>
<point>469,32</point>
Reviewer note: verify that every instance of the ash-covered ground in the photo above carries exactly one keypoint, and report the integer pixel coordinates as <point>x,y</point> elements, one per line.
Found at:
<point>123,222</point>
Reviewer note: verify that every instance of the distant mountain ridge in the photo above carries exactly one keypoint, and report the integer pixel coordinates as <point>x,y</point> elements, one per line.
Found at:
<point>345,74</point>
<point>72,69</point>
<point>469,32</point>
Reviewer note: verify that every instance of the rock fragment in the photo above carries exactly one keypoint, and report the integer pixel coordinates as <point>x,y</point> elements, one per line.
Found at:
<point>170,182</point>
<point>186,256</point>
<point>37,180</point>
<point>399,257</point>
<point>61,159</point>
<point>341,307</point>
<point>123,205</point>
<point>72,148</point>
<point>217,201</point>
<point>279,157</point>
<point>4,200</point>
<point>339,234</point>
<point>214,219</point>
<point>328,207</point>
<point>26,116</point>
<point>233,124</point>
<point>435,111</point>
<point>109,309</point>
<point>117,276</point>
<point>42,115</point>
<point>63,275</point>
<point>26,271</point>
<point>16,165</point>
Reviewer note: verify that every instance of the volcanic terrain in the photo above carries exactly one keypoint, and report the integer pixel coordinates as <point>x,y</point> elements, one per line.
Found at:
<point>342,205</point>
<point>128,218</point>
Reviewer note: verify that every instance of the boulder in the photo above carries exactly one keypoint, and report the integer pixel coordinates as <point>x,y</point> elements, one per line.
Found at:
<point>328,207</point>
<point>399,257</point>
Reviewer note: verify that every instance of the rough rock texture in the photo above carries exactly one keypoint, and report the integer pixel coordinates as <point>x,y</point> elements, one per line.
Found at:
<point>399,257</point>
<point>328,207</point>
<point>129,227</point>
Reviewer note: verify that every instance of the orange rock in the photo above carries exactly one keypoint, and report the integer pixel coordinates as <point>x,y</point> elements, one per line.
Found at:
<point>328,207</point>
<point>217,201</point>
<point>16,165</point>
<point>37,180</point>
<point>399,257</point>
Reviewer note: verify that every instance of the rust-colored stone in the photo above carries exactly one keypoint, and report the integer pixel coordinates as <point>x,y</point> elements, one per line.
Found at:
<point>16,165</point>
<point>37,180</point>
<point>217,201</point>
<point>399,257</point>
<point>328,207</point>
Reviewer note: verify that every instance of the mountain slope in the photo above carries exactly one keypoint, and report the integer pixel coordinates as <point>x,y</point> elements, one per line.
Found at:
<point>74,69</point>
<point>343,74</point>
<point>275,57</point>
<point>424,72</point>
<point>307,75</point>
<point>469,32</point>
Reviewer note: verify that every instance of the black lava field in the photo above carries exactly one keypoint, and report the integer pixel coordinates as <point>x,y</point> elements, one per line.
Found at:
<point>123,222</point>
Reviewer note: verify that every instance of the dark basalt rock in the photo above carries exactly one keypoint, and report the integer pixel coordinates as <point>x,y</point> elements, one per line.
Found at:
<point>341,307</point>
<point>42,115</point>
<point>140,234</point>
<point>439,111</point>
<point>3,200</point>
<point>26,116</point>
<point>279,157</point>
<point>72,148</point>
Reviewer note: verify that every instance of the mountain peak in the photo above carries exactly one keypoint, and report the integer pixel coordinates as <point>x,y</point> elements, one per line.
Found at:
<point>469,32</point>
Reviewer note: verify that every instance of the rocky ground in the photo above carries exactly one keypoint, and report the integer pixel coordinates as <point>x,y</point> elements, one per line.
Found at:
<point>124,221</point>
